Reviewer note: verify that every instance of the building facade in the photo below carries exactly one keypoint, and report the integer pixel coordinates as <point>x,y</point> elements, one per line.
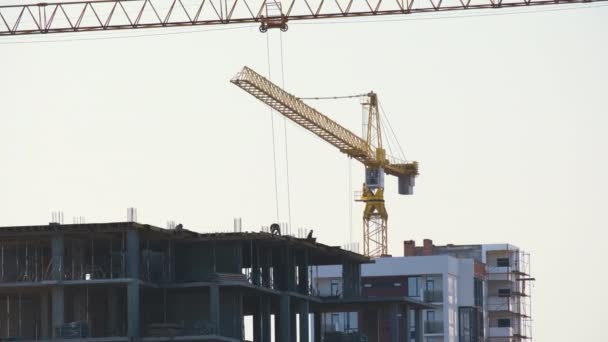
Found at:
<point>125,281</point>
<point>478,292</point>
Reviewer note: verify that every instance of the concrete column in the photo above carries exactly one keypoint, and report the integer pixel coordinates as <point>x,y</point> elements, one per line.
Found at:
<point>293,324</point>
<point>57,294</point>
<point>379,332</point>
<point>261,321</point>
<point>257,326</point>
<point>133,254</point>
<point>285,318</point>
<point>57,248</point>
<point>283,269</point>
<point>277,279</point>
<point>317,327</point>
<point>277,328</point>
<point>394,322</point>
<point>44,315</point>
<point>291,269</point>
<point>57,303</point>
<point>303,274</point>
<point>133,309</point>
<point>255,264</point>
<point>351,275</point>
<point>266,268</point>
<point>304,326</point>
<point>170,276</point>
<point>113,311</point>
<point>266,316</point>
<point>239,317</point>
<point>406,319</point>
<point>257,321</point>
<point>419,325</point>
<point>133,319</point>
<point>285,274</point>
<point>214,307</point>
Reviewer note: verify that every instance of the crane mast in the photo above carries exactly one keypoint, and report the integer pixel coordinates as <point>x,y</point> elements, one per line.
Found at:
<point>368,150</point>
<point>375,216</point>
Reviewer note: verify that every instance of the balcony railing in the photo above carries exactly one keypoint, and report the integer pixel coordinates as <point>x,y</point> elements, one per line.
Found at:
<point>433,296</point>
<point>433,327</point>
<point>500,332</point>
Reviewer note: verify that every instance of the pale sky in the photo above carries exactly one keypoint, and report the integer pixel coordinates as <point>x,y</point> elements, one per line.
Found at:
<point>505,113</point>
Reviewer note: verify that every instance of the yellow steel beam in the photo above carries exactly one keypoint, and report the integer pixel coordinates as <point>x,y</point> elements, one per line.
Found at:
<point>304,115</point>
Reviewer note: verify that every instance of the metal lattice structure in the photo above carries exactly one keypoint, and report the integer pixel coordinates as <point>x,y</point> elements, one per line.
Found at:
<point>514,303</point>
<point>303,114</point>
<point>107,15</point>
<point>367,150</point>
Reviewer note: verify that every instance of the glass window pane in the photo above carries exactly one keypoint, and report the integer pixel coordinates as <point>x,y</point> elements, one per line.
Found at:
<point>413,286</point>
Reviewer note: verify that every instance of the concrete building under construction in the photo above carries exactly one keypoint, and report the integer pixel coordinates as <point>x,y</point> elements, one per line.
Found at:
<point>133,282</point>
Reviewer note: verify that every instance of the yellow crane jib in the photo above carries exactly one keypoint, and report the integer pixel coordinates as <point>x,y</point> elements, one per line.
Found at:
<point>368,150</point>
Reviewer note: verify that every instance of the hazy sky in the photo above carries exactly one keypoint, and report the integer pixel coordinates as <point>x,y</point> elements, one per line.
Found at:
<point>506,115</point>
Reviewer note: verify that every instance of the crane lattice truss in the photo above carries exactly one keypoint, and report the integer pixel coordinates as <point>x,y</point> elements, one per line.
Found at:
<point>104,15</point>
<point>304,115</point>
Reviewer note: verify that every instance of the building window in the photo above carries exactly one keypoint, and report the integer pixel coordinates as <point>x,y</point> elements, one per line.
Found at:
<point>504,292</point>
<point>413,286</point>
<point>504,323</point>
<point>430,316</point>
<point>430,284</point>
<point>334,320</point>
<point>503,262</point>
<point>478,292</point>
<point>334,287</point>
<point>470,325</point>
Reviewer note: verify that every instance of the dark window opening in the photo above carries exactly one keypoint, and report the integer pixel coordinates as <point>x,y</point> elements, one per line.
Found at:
<point>504,292</point>
<point>504,323</point>
<point>413,286</point>
<point>470,324</point>
<point>503,262</point>
<point>478,292</point>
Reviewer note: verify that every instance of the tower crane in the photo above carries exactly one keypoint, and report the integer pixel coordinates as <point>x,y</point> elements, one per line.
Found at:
<point>69,16</point>
<point>368,150</point>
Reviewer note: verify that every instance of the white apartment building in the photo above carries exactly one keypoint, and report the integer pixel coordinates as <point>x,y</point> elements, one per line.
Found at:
<point>480,292</point>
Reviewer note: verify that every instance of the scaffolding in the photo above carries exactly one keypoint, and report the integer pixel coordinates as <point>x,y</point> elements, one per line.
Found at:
<point>512,299</point>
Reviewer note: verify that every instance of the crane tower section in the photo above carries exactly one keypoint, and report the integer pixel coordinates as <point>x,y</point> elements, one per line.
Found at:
<point>368,150</point>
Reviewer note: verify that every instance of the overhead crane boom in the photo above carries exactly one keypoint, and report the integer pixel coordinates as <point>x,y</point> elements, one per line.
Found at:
<point>106,15</point>
<point>302,114</point>
<point>311,119</point>
<point>368,151</point>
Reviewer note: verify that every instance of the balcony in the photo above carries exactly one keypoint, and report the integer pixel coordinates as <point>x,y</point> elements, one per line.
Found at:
<point>433,327</point>
<point>433,296</point>
<point>500,332</point>
<point>496,303</point>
